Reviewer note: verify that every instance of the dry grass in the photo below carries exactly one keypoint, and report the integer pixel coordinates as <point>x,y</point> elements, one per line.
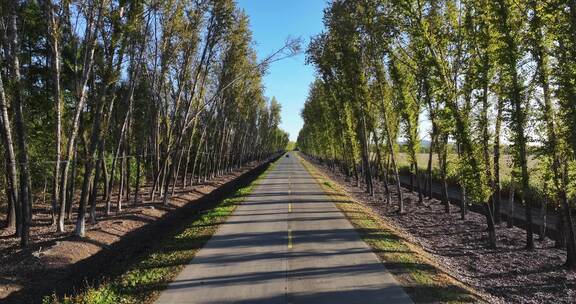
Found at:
<point>505,161</point>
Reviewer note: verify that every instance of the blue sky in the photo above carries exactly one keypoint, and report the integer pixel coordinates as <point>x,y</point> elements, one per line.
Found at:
<point>272,21</point>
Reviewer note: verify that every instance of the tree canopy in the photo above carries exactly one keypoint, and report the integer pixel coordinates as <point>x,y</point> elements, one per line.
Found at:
<point>474,73</point>
<point>99,99</point>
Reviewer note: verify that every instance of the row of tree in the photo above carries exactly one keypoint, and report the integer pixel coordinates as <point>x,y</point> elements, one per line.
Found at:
<point>483,73</point>
<point>103,95</point>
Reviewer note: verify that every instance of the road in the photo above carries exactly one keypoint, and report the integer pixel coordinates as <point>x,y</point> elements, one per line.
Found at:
<point>287,243</point>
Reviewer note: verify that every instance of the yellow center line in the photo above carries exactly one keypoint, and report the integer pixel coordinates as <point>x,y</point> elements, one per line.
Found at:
<point>289,211</point>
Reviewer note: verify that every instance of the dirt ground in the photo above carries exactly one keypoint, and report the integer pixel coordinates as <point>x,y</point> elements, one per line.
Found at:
<point>509,273</point>
<point>58,257</point>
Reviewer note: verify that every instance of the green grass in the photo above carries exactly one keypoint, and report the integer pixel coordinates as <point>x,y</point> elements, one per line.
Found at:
<point>422,280</point>
<point>151,273</point>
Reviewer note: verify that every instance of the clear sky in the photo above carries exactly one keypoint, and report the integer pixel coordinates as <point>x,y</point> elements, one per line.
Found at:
<point>272,21</point>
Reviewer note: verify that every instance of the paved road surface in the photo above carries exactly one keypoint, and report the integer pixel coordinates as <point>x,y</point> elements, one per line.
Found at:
<point>287,243</point>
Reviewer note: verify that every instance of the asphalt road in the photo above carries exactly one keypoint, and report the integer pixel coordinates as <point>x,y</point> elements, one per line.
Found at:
<point>287,243</point>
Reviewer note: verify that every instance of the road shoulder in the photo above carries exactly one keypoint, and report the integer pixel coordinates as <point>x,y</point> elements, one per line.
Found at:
<point>140,279</point>
<point>415,270</point>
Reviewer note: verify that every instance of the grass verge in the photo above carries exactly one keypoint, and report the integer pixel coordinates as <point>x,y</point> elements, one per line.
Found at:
<point>415,271</point>
<point>151,272</point>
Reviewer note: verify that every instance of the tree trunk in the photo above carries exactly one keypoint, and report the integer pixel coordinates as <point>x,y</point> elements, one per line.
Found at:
<point>442,161</point>
<point>95,150</point>
<point>428,185</point>
<point>366,154</point>
<point>543,217</point>
<point>518,115</point>
<point>72,186</point>
<point>484,127</point>
<point>187,163</point>
<point>418,185</point>
<point>138,174</point>
<point>569,224</point>
<point>53,34</point>
<point>128,164</point>
<point>97,177</point>
<point>560,241</point>
<point>497,183</point>
<point>511,205</point>
<point>197,158</point>
<point>107,191</point>
<point>90,38</point>
<point>122,182</point>
<point>397,177</point>
<point>529,229</point>
<point>411,176</point>
<point>381,167</point>
<point>11,165</point>
<point>491,226</point>
<point>540,54</point>
<point>25,194</point>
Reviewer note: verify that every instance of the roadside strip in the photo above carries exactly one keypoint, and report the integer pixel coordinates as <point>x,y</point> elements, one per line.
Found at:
<point>151,272</point>
<point>416,271</point>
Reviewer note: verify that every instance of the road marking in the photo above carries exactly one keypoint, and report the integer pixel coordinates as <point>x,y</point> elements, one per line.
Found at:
<point>289,211</point>
<point>289,192</point>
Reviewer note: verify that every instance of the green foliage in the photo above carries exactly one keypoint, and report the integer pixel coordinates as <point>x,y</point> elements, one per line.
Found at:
<point>290,146</point>
<point>484,72</point>
<point>136,80</point>
<point>452,58</point>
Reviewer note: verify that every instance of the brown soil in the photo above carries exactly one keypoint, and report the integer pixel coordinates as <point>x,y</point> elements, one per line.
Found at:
<point>59,261</point>
<point>508,274</point>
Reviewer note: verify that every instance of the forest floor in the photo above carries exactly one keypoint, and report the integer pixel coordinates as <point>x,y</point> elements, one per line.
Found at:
<point>26,275</point>
<point>507,274</point>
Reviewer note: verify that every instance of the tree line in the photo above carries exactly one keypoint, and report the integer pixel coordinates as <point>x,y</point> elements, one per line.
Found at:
<point>479,75</point>
<point>99,98</point>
